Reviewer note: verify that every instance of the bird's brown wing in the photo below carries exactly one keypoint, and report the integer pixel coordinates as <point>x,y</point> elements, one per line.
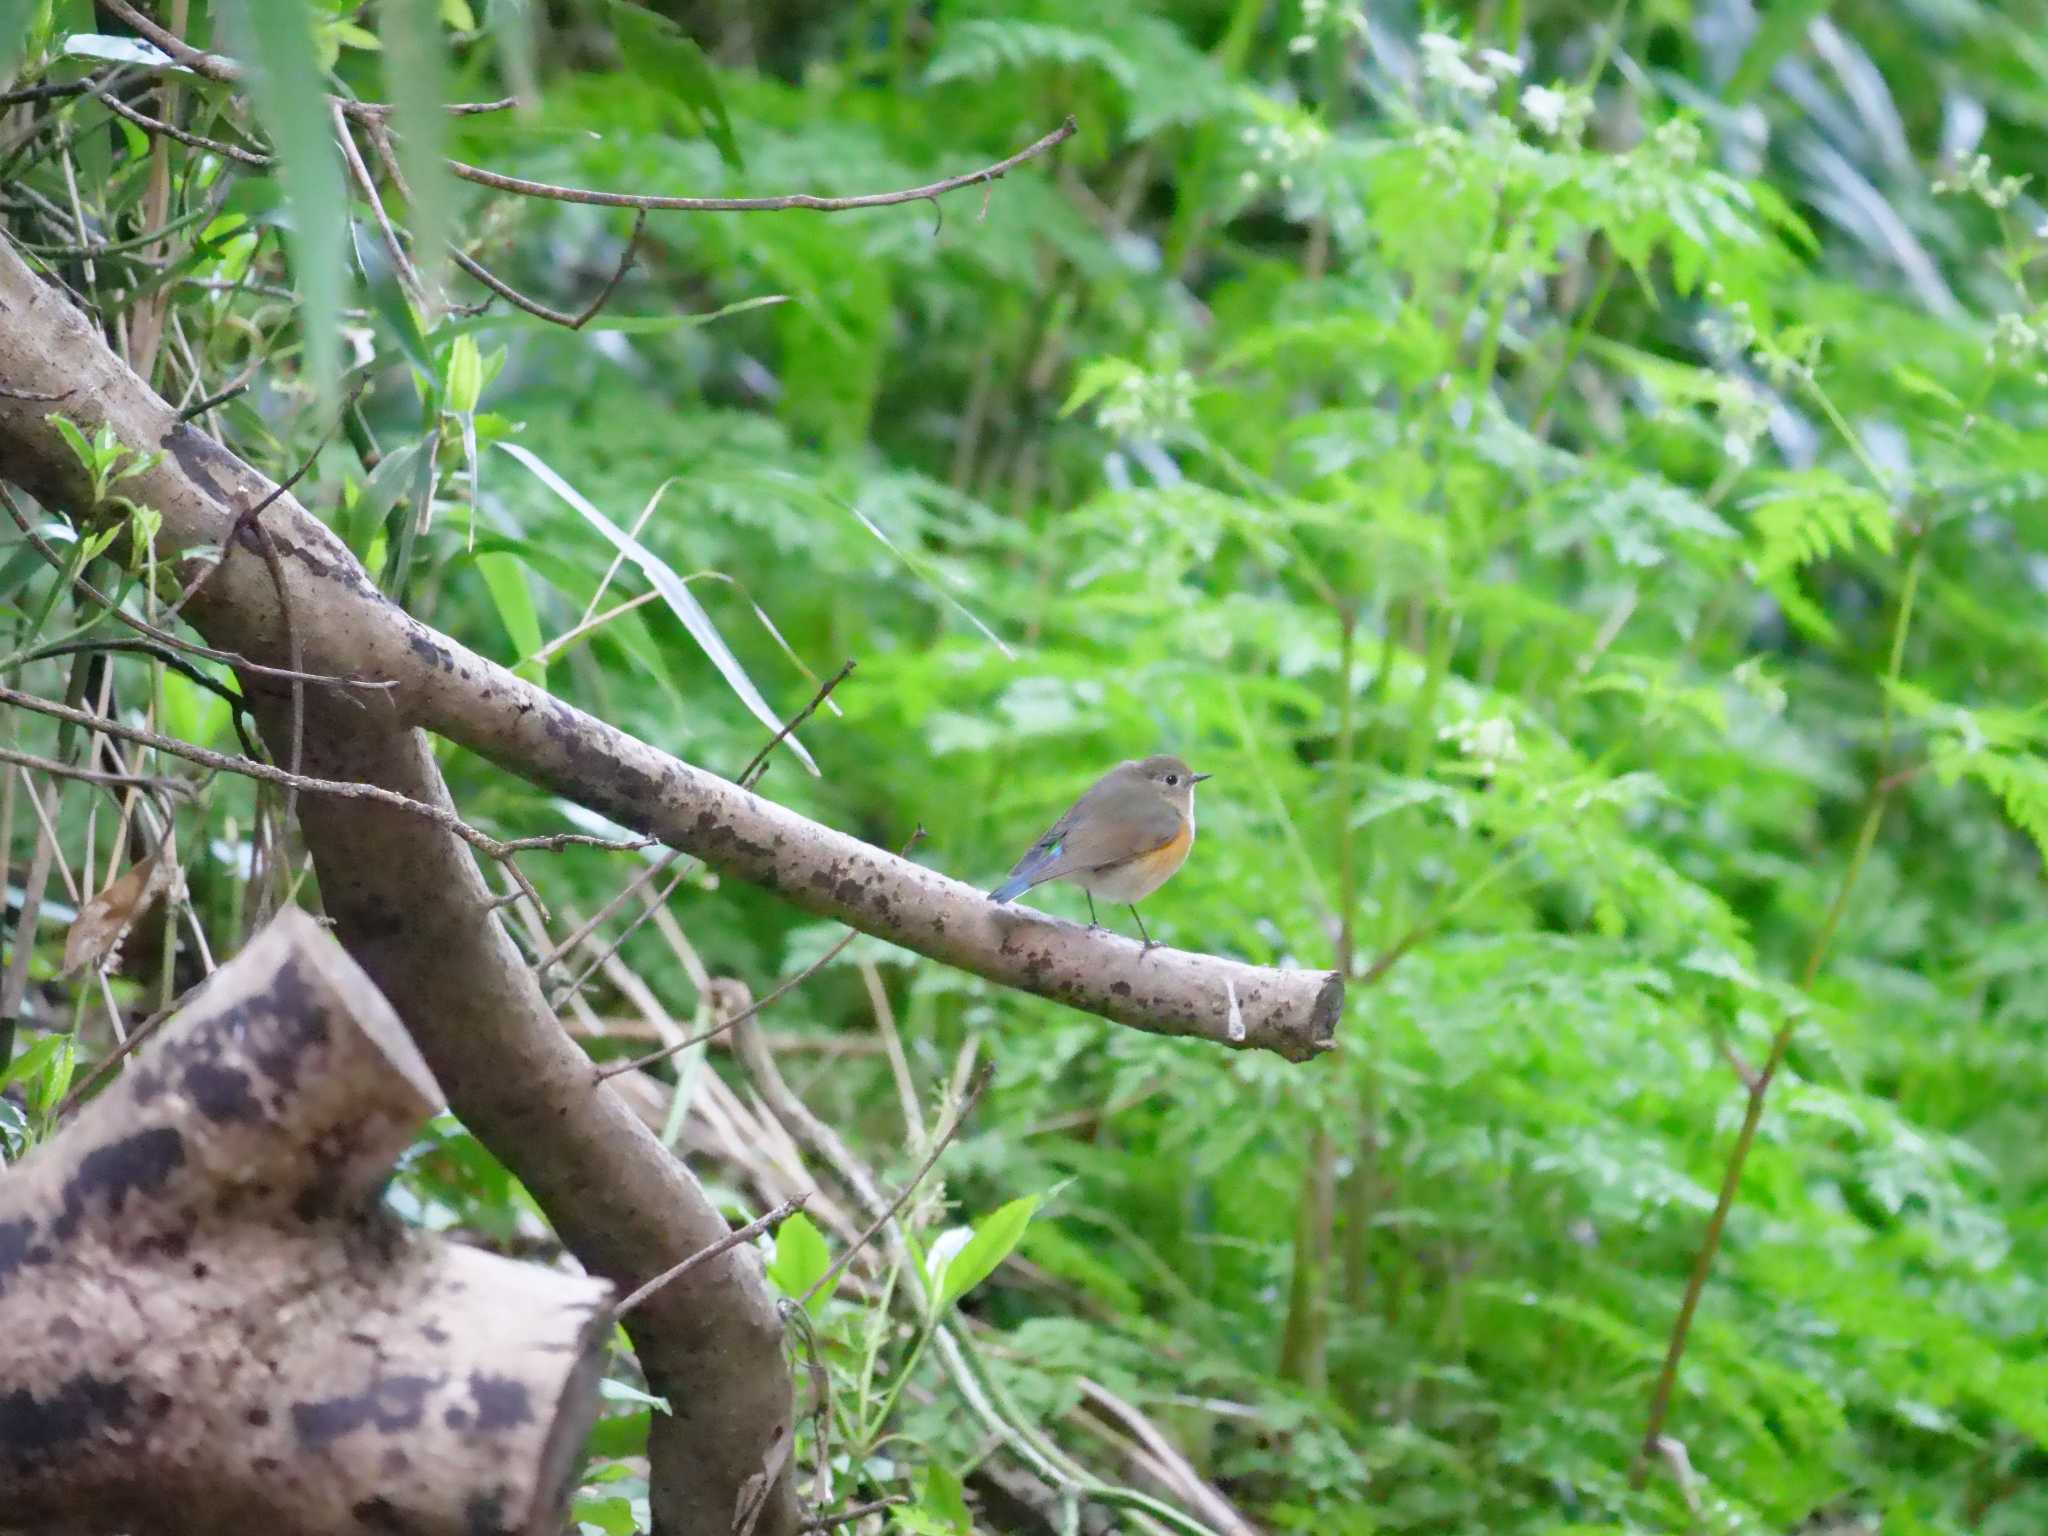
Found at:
<point>1115,821</point>
<point>1110,825</point>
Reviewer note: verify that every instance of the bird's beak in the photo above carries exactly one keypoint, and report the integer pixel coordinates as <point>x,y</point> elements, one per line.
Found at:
<point>1197,778</point>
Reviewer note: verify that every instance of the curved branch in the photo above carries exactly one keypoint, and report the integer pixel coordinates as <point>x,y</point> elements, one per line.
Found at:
<point>778,204</point>
<point>347,624</point>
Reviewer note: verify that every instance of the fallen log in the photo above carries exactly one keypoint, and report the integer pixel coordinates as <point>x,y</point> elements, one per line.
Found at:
<point>208,1322</point>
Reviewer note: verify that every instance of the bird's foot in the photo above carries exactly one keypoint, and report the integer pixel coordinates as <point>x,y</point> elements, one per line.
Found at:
<point>1148,946</point>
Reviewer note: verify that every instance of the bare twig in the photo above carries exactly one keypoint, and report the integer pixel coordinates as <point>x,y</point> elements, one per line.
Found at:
<point>1758,1083</point>
<point>245,520</point>
<point>555,842</point>
<point>784,202</point>
<point>264,773</point>
<point>576,983</point>
<point>91,775</point>
<point>163,636</point>
<point>46,92</point>
<point>408,275</point>
<point>939,1144</point>
<point>585,626</point>
<point>214,66</point>
<point>787,984</point>
<point>200,408</point>
<point>108,1062</point>
<point>726,1244</point>
<point>584,929</point>
<point>234,152</point>
<point>853,1512</point>
<point>751,774</point>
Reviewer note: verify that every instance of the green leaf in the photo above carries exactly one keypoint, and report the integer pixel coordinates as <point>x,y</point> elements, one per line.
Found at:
<point>76,441</point>
<point>387,482</point>
<point>623,1392</point>
<point>48,1089</point>
<point>275,38</point>
<point>512,27</point>
<point>674,593</point>
<point>943,1501</point>
<point>658,50</point>
<point>16,19</point>
<point>613,1515</point>
<point>506,577</point>
<point>801,1259</point>
<point>994,1236</point>
<point>136,140</point>
<point>416,76</point>
<point>1777,34</point>
<point>620,1434</point>
<point>463,379</point>
<point>32,1060</point>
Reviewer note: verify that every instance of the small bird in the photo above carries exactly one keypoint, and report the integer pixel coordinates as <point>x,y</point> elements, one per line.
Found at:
<point>1122,840</point>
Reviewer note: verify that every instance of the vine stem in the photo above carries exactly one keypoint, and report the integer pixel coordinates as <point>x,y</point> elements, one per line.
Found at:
<point>1759,1085</point>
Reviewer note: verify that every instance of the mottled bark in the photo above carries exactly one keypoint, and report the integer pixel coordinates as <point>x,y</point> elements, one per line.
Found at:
<point>347,626</point>
<point>408,901</point>
<point>207,1323</point>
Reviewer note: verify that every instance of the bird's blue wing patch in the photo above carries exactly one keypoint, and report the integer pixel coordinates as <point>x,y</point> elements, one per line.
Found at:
<point>1028,869</point>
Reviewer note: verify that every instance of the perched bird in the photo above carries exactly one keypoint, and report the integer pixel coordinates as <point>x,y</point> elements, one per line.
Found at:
<point>1122,840</point>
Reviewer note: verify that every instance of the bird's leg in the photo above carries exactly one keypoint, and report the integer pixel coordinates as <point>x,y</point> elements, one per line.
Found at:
<point>1150,942</point>
<point>1092,923</point>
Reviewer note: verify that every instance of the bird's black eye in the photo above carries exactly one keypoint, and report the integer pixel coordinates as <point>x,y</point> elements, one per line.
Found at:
<point>1173,778</point>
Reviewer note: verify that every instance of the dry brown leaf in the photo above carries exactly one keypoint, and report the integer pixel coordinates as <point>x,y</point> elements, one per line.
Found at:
<point>96,932</point>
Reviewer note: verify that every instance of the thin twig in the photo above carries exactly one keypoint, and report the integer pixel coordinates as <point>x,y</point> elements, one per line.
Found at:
<point>380,141</point>
<point>214,66</point>
<point>46,92</point>
<point>787,984</point>
<point>408,275</point>
<point>234,152</point>
<point>584,929</point>
<point>577,982</point>
<point>725,1244</point>
<point>972,1097</point>
<point>751,774</point>
<point>202,407</point>
<point>163,636</point>
<point>107,1063</point>
<point>853,1512</point>
<point>1781,1043</point>
<point>222,762</point>
<point>555,842</point>
<point>92,775</point>
<point>931,191</point>
<point>245,520</point>
<point>570,637</point>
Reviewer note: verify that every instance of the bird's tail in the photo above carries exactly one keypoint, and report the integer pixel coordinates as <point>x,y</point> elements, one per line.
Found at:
<point>1011,888</point>
<point>1038,865</point>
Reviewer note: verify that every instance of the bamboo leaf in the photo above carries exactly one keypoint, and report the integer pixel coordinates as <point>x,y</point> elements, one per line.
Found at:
<point>275,38</point>
<point>673,592</point>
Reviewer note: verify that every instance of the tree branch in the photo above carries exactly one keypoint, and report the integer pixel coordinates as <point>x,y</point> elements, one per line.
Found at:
<point>782,203</point>
<point>347,625</point>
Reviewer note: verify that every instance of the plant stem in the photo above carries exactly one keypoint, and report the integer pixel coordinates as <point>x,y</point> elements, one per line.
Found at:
<point>1760,1086</point>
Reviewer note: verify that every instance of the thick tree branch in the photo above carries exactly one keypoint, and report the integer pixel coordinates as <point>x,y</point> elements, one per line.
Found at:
<point>348,626</point>
<point>410,904</point>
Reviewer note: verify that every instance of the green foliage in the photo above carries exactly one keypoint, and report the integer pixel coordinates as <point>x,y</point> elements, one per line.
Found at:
<point>285,86</point>
<point>1567,482</point>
